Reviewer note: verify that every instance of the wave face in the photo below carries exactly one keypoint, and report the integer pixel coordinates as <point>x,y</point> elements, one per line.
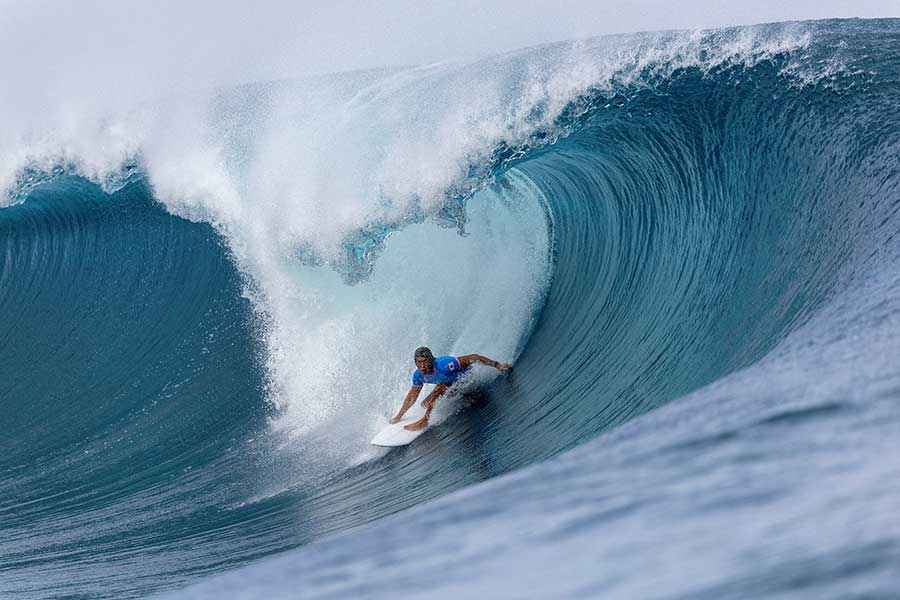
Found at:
<point>209,303</point>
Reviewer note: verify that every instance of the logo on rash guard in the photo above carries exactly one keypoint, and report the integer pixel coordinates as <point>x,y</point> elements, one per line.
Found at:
<point>451,366</point>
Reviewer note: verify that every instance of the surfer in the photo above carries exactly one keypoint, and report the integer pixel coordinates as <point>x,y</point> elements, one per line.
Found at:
<point>442,371</point>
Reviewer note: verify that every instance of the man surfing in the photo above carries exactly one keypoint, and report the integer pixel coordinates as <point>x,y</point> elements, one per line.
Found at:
<point>442,371</point>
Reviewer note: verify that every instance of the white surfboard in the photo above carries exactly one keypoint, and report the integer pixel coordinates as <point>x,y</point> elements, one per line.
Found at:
<point>397,435</point>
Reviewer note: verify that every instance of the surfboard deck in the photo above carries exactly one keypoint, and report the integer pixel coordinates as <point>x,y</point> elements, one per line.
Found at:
<point>395,435</point>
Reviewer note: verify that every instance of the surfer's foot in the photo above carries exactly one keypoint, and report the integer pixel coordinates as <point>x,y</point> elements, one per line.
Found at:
<point>417,425</point>
<point>394,420</point>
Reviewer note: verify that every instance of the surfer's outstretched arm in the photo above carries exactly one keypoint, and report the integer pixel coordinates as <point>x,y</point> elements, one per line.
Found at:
<point>467,360</point>
<point>410,399</point>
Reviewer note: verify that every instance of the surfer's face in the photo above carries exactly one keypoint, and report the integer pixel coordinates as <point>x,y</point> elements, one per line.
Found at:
<point>425,365</point>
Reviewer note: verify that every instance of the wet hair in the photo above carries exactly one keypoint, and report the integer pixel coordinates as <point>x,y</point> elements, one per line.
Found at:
<point>424,352</point>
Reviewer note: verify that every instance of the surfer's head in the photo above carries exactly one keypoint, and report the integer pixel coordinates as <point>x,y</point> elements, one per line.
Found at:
<point>424,360</point>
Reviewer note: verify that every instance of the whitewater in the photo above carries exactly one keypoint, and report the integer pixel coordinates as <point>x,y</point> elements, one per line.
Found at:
<point>686,242</point>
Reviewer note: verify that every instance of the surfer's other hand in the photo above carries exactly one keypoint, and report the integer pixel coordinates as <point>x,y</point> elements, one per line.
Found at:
<point>504,367</point>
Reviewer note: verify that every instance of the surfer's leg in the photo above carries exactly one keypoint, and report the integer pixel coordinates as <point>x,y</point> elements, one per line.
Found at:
<point>428,403</point>
<point>417,425</point>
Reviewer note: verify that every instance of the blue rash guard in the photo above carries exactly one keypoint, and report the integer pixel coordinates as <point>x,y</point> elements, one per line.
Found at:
<point>446,370</point>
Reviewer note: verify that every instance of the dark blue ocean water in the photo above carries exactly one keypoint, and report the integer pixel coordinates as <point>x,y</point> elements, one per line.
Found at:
<point>686,242</point>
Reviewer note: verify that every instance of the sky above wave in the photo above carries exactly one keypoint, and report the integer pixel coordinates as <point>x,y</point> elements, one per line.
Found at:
<point>65,64</point>
<point>205,41</point>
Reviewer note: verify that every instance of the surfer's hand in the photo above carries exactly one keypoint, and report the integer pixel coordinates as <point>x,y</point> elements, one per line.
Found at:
<point>394,420</point>
<point>504,367</point>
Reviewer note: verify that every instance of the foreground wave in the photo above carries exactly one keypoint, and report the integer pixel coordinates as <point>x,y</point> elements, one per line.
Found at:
<point>707,217</point>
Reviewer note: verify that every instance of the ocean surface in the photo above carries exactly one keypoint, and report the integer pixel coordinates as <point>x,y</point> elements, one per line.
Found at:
<point>686,242</point>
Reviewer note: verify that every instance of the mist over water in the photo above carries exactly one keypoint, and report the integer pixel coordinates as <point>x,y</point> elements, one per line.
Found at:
<point>213,296</point>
